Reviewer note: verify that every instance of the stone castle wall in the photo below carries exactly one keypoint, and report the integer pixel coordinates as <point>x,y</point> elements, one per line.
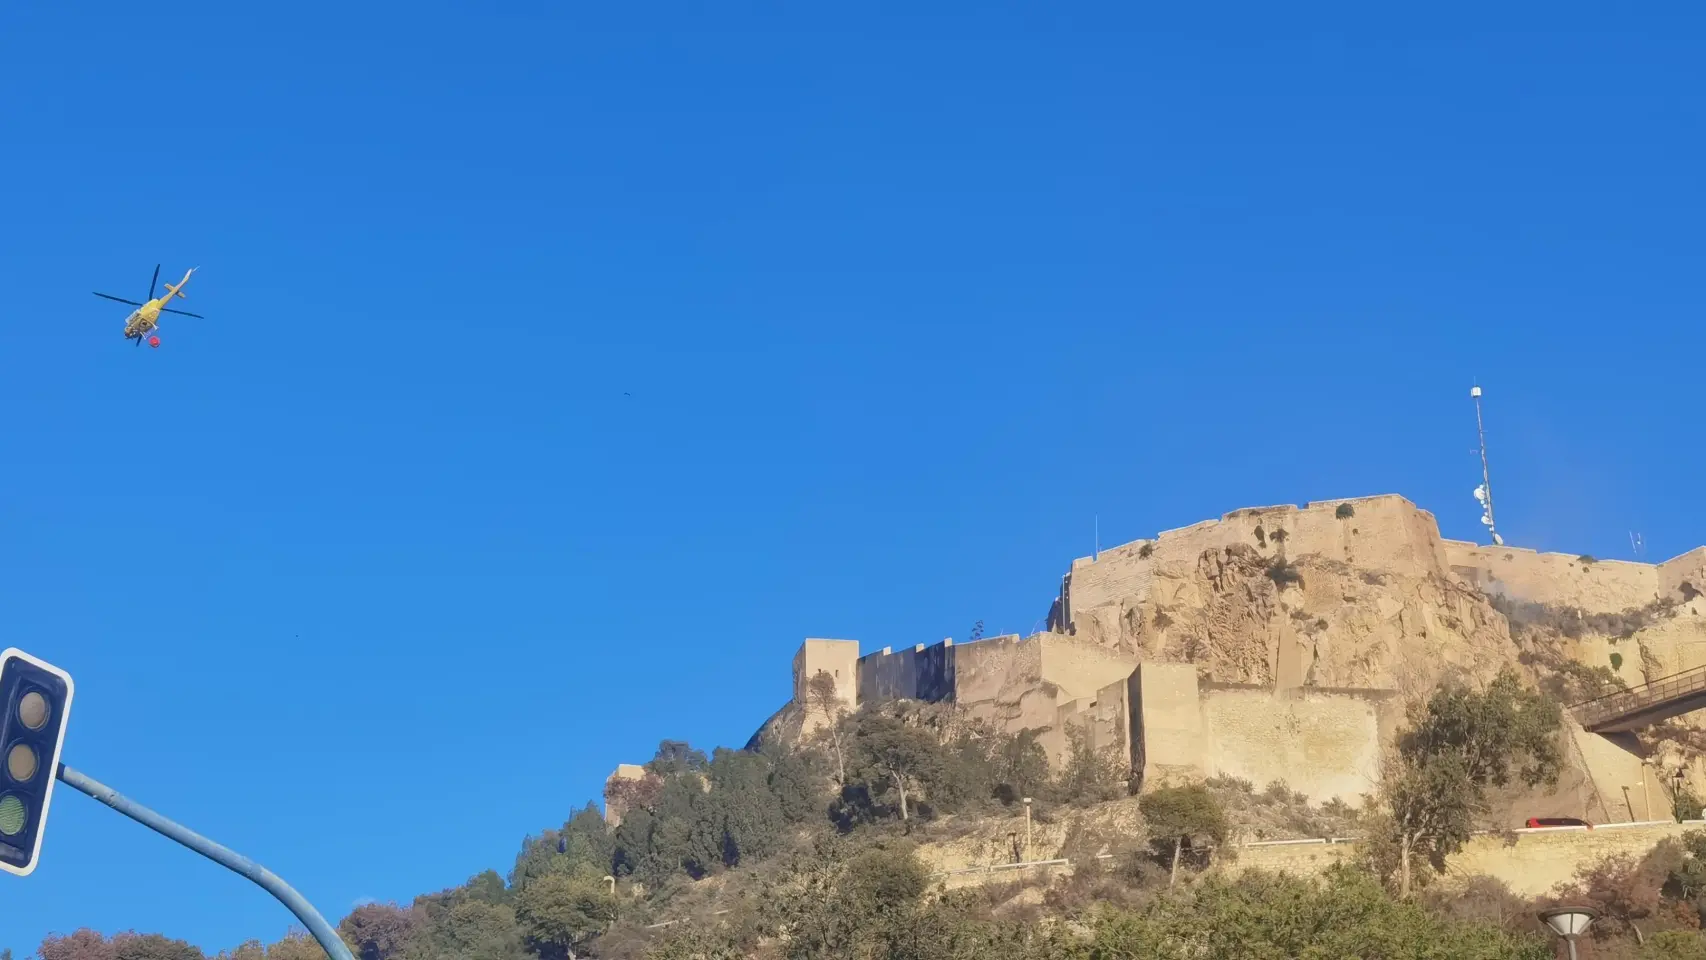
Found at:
<point>1322,742</point>
<point>1381,533</point>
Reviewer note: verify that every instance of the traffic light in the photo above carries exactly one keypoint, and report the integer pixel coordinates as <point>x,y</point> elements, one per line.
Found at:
<point>37,699</point>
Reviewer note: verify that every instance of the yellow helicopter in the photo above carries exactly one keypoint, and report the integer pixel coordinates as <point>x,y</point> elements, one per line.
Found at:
<point>145,319</point>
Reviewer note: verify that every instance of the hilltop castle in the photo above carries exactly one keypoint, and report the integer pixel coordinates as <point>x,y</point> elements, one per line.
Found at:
<point>1275,643</point>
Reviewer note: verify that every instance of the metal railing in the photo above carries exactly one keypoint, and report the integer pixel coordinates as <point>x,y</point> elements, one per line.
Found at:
<point>1601,710</point>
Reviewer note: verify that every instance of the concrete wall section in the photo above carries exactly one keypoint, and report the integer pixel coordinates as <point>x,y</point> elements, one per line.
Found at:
<point>936,671</point>
<point>999,679</point>
<point>1690,569</point>
<point>985,668</point>
<point>1105,719</point>
<point>1171,741</point>
<point>1323,745</point>
<point>1534,864</point>
<point>1603,586</point>
<point>1078,668</point>
<point>888,675</point>
<point>915,673</point>
<point>1540,860</point>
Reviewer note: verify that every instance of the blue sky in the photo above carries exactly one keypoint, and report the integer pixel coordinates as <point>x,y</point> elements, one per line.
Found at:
<point>565,367</point>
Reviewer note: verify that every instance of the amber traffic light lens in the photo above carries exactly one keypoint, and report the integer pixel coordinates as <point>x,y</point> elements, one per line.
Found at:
<point>32,710</point>
<point>13,813</point>
<point>21,762</point>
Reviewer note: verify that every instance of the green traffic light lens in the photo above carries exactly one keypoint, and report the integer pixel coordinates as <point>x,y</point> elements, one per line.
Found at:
<point>32,710</point>
<point>13,813</point>
<point>21,762</point>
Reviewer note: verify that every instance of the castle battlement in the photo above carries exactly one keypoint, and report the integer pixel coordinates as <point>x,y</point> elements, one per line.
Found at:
<point>1137,631</point>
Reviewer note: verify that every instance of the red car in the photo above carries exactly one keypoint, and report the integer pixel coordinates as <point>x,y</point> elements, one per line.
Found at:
<point>1557,822</point>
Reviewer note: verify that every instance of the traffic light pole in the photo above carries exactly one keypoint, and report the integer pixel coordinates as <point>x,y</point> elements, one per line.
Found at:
<point>225,857</point>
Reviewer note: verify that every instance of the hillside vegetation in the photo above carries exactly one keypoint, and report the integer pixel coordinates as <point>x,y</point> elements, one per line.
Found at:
<point>870,836</point>
<point>825,851</point>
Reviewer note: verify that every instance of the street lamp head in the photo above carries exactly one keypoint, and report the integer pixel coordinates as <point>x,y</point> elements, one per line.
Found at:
<point>1568,922</point>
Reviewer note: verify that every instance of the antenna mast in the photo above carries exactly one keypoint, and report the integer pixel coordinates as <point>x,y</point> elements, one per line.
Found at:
<point>1484,493</point>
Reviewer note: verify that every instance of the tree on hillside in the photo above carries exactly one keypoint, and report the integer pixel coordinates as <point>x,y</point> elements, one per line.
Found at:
<point>298,944</point>
<point>247,950</point>
<point>1673,945</point>
<point>87,944</point>
<point>894,755</point>
<point>1685,880</point>
<point>967,774</point>
<point>1460,743</point>
<point>635,842</point>
<point>1506,729</point>
<point>744,817</point>
<point>676,757</point>
<point>697,942</point>
<point>1630,895</point>
<point>1260,915</point>
<point>559,913</point>
<point>626,794</point>
<point>821,697</point>
<point>584,845</point>
<point>1090,775</point>
<point>153,946</point>
<point>473,921</point>
<point>795,781</point>
<point>838,903</point>
<point>380,931</point>
<point>476,930</point>
<point>1021,766</point>
<point>1430,809</point>
<point>84,944</point>
<point>678,842</point>
<point>1179,817</point>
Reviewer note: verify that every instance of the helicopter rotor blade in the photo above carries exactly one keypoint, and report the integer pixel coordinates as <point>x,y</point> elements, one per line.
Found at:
<point>119,299</point>
<point>154,281</point>
<point>182,313</point>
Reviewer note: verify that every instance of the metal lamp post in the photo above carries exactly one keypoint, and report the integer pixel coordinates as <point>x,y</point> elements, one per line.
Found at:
<point>1568,923</point>
<point>1027,829</point>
